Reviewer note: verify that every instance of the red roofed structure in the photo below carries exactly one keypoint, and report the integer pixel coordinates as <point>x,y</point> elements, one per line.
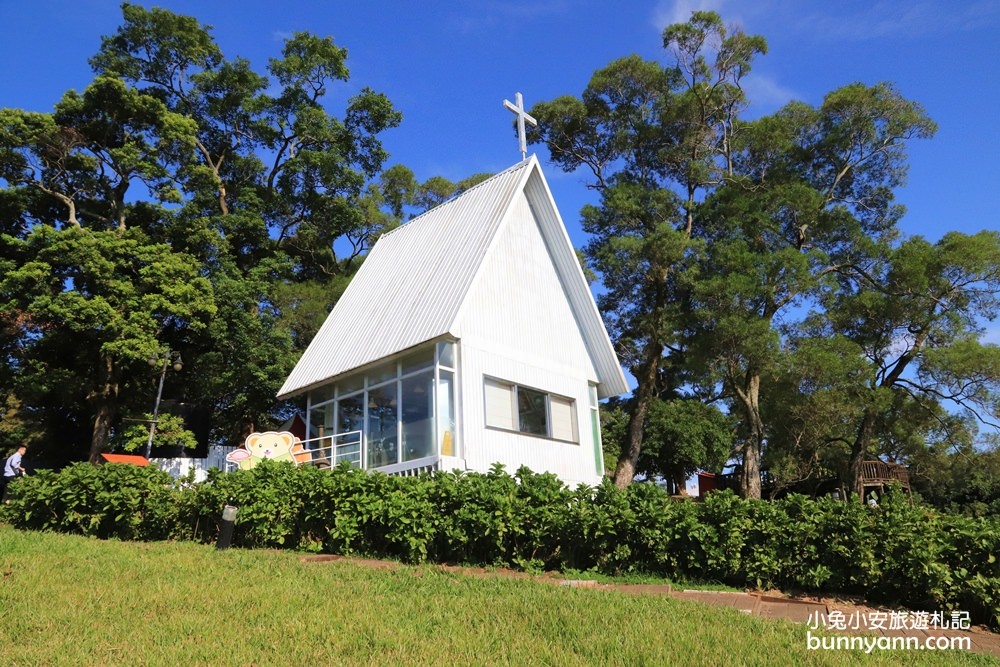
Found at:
<point>128,459</point>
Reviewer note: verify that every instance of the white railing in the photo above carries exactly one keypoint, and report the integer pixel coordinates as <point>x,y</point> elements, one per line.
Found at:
<point>323,452</point>
<point>329,451</point>
<point>180,466</point>
<point>410,468</point>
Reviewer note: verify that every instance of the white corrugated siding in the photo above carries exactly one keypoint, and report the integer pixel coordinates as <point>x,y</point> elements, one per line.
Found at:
<point>518,325</point>
<point>518,305</point>
<point>611,380</point>
<point>412,284</point>
<point>574,463</point>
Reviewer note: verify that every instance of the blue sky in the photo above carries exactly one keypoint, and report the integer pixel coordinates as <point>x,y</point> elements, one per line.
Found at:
<point>448,66</point>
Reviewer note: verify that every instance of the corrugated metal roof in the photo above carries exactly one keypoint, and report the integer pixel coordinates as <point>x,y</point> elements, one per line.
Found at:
<point>412,284</point>
<point>411,287</point>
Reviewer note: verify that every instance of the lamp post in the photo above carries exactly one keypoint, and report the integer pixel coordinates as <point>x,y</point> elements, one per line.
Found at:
<point>169,359</point>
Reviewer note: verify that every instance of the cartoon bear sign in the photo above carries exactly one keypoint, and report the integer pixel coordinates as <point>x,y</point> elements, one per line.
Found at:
<point>272,445</point>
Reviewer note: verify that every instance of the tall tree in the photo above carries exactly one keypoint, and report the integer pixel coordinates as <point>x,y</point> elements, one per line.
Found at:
<point>711,227</point>
<point>179,161</point>
<point>277,203</point>
<point>654,139</point>
<point>116,295</point>
<point>810,191</point>
<point>917,318</point>
<point>85,264</point>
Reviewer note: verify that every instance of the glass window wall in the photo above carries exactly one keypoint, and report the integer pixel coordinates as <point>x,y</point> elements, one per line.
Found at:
<point>405,409</point>
<point>417,411</point>
<point>382,431</point>
<point>446,433</point>
<point>350,417</point>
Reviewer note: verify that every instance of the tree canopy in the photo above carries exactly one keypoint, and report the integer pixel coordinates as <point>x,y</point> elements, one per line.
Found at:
<point>182,201</point>
<point>757,265</point>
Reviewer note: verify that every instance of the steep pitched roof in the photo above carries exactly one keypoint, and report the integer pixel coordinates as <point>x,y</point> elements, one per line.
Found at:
<point>411,287</point>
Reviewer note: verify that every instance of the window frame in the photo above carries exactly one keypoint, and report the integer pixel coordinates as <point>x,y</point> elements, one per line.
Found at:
<point>439,358</point>
<point>514,416</point>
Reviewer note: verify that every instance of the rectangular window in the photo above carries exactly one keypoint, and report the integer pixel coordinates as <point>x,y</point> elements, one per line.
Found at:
<point>417,393</point>
<point>350,418</point>
<point>446,413</point>
<point>595,425</point>
<point>446,354</point>
<point>512,407</point>
<point>418,360</point>
<point>382,431</point>
<point>531,413</point>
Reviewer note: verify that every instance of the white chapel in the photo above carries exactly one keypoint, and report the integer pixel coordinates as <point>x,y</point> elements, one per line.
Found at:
<point>469,337</point>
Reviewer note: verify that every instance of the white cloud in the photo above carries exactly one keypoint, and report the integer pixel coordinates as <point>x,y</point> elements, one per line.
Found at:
<point>679,11</point>
<point>841,21</point>
<point>766,93</point>
<point>896,19</point>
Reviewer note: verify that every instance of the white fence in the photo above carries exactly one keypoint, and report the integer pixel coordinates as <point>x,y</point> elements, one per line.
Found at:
<point>179,467</point>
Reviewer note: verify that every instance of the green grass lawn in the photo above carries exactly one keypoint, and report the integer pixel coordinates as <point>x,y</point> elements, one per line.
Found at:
<point>74,601</point>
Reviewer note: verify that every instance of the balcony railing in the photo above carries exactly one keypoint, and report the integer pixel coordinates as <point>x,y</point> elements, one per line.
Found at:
<point>329,451</point>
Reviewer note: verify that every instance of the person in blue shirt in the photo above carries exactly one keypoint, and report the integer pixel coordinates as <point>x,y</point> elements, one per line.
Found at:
<point>12,468</point>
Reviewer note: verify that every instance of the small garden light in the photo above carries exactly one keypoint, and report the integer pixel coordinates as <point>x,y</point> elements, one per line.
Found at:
<point>226,529</point>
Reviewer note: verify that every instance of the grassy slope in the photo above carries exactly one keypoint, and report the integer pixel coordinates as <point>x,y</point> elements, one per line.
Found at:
<point>74,601</point>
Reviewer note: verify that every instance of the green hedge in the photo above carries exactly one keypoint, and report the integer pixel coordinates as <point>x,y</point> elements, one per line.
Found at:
<point>894,554</point>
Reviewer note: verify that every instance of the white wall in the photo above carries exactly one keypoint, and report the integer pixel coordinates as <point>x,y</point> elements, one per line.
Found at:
<point>572,462</point>
<point>517,325</point>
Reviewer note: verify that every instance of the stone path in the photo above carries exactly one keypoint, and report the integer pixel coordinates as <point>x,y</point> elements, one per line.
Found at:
<point>818,615</point>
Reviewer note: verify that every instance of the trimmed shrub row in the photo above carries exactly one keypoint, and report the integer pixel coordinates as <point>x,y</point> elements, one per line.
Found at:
<point>894,554</point>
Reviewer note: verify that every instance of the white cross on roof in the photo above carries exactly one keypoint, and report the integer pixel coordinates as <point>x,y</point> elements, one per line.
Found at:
<point>522,118</point>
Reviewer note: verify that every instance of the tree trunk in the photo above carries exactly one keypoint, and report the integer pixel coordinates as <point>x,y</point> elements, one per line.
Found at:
<point>104,398</point>
<point>101,433</point>
<point>628,461</point>
<point>750,474</point>
<point>866,431</point>
<point>752,446</point>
